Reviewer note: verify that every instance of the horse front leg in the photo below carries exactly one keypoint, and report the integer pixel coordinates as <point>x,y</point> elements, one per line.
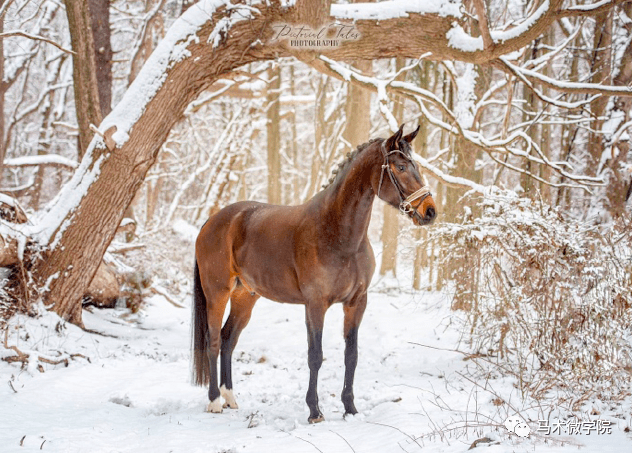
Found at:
<point>353,312</point>
<point>314,319</point>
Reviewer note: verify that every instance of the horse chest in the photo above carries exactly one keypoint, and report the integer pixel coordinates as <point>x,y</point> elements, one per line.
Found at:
<point>336,278</point>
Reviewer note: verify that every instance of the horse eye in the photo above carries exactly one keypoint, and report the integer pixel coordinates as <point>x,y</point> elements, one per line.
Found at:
<point>401,168</point>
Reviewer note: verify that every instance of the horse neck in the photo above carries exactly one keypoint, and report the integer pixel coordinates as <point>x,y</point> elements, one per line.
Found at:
<point>349,200</point>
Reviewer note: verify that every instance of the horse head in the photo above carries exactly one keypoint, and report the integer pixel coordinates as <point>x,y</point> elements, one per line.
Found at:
<point>399,181</point>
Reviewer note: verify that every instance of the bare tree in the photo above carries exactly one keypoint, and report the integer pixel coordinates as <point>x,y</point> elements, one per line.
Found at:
<point>88,106</point>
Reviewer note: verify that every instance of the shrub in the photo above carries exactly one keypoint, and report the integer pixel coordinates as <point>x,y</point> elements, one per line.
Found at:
<point>547,295</point>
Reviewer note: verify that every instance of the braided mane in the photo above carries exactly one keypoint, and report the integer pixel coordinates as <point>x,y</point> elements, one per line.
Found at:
<point>346,160</point>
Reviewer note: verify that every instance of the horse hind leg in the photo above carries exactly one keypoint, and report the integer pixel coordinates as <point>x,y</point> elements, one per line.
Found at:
<point>241,303</point>
<point>216,306</point>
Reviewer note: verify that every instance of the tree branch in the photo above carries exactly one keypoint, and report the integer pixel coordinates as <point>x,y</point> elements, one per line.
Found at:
<point>35,37</point>
<point>564,86</point>
<point>483,24</point>
<point>590,10</point>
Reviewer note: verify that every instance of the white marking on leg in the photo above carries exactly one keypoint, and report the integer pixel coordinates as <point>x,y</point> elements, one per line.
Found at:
<point>214,406</point>
<point>229,397</point>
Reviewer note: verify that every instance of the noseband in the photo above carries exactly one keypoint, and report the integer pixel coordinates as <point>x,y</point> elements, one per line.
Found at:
<point>405,202</point>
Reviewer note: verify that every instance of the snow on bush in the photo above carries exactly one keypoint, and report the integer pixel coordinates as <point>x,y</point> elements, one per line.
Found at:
<point>548,296</point>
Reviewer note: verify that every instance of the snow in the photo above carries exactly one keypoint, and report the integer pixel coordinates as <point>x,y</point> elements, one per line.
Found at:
<point>135,394</point>
<point>460,39</point>
<point>396,9</point>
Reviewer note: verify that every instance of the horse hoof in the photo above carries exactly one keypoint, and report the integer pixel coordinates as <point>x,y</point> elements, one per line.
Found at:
<point>315,420</point>
<point>229,398</point>
<point>214,406</point>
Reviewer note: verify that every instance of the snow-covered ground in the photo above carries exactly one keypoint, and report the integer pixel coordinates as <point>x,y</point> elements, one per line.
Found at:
<point>135,394</point>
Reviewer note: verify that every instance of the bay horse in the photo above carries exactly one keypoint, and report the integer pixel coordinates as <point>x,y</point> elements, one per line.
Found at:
<point>314,254</point>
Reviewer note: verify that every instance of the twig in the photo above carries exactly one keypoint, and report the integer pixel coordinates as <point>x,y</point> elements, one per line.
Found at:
<point>12,387</point>
<point>165,295</point>
<point>397,429</point>
<point>24,358</point>
<point>306,441</point>
<point>35,37</point>
<point>343,439</point>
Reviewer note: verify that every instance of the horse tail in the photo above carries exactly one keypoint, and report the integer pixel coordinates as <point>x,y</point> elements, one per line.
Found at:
<point>200,332</point>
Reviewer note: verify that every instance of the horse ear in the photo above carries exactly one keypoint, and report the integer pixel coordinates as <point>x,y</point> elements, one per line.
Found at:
<point>391,143</point>
<point>411,136</point>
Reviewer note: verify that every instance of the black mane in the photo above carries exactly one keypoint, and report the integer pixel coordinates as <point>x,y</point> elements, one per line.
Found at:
<point>336,172</point>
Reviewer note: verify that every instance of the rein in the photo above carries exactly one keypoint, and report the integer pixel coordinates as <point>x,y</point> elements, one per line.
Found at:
<point>405,202</point>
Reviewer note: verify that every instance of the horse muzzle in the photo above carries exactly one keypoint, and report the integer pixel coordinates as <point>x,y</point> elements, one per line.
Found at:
<point>406,206</point>
<point>426,219</point>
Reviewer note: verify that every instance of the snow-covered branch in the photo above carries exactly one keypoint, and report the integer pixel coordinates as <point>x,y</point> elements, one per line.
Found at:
<point>30,36</point>
<point>566,86</point>
<point>41,160</point>
<point>493,147</point>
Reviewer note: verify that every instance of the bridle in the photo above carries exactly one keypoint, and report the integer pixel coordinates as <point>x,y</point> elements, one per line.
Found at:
<point>405,202</point>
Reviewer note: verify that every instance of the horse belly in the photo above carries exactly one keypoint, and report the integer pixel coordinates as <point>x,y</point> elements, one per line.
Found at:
<point>267,268</point>
<point>272,283</point>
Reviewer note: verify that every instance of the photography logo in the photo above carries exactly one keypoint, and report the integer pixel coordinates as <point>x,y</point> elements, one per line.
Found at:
<point>518,426</point>
<point>304,36</point>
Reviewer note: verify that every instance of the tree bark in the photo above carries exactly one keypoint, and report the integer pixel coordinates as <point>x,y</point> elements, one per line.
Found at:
<point>100,24</point>
<point>84,71</point>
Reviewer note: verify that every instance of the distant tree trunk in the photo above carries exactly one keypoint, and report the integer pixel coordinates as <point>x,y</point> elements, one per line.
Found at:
<point>421,147</point>
<point>294,194</point>
<point>3,89</point>
<point>273,126</point>
<point>530,108</point>
<point>546,132</point>
<point>84,71</point>
<point>620,182</point>
<point>358,108</point>
<point>100,23</point>
<point>318,159</point>
<point>390,229</point>
<point>46,133</point>
<point>601,70</point>
<point>152,28</point>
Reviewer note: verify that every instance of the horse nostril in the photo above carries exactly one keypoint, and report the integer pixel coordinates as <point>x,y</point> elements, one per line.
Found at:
<point>431,213</point>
